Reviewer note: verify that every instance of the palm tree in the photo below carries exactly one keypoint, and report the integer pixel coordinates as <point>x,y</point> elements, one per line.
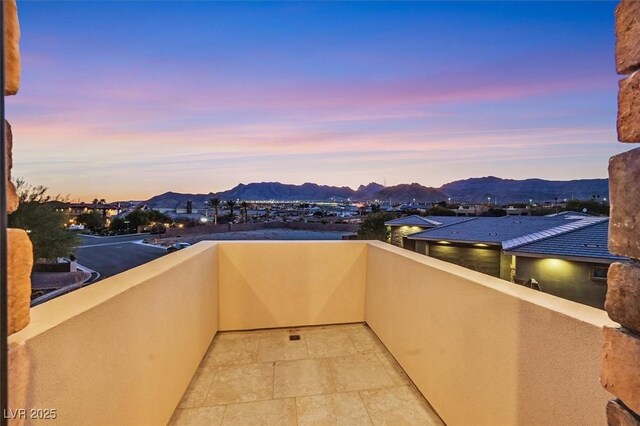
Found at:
<point>215,205</point>
<point>230,205</point>
<point>244,206</point>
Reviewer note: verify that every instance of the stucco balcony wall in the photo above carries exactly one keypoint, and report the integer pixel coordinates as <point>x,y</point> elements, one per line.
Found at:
<point>481,350</point>
<point>122,351</point>
<point>266,284</point>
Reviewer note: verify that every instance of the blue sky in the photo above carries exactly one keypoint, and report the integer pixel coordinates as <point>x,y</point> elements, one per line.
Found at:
<point>129,99</point>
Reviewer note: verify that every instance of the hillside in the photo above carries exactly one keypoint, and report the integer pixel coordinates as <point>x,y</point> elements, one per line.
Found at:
<point>468,190</point>
<point>510,190</point>
<point>409,192</point>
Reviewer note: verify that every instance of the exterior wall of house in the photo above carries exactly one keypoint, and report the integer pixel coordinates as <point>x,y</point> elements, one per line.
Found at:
<point>408,244</point>
<point>567,279</point>
<point>505,267</point>
<point>398,232</point>
<point>422,247</point>
<point>482,259</point>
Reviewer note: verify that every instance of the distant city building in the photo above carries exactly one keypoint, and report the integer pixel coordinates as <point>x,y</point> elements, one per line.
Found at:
<point>107,210</point>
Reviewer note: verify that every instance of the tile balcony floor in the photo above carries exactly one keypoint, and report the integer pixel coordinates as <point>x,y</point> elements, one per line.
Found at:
<point>338,374</point>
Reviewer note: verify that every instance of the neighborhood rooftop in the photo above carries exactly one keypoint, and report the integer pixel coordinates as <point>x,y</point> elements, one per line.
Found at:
<point>426,221</point>
<point>498,230</point>
<point>587,242</point>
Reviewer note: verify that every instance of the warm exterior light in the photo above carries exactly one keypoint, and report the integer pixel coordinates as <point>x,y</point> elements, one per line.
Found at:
<point>481,245</point>
<point>557,264</point>
<point>444,242</point>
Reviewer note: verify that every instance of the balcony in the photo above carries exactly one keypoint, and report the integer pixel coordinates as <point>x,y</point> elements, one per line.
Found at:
<point>135,347</point>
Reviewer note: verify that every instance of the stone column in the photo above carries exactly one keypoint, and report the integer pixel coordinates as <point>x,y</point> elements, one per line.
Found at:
<point>20,252</point>
<point>620,372</point>
<point>19,249</point>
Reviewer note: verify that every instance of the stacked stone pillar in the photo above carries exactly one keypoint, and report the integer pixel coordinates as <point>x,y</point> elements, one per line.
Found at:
<point>20,251</point>
<point>620,372</point>
<point>19,248</point>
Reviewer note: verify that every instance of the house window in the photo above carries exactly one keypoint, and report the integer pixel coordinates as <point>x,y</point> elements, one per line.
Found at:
<point>599,272</point>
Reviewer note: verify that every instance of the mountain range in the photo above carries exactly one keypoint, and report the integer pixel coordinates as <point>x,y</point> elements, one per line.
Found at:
<point>466,191</point>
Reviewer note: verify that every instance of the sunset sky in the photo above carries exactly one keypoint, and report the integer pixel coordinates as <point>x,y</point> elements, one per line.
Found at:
<point>125,100</point>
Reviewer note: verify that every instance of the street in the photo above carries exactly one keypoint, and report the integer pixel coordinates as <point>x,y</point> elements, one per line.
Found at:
<point>111,255</point>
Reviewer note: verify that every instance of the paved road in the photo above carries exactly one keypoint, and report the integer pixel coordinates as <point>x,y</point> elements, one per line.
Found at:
<point>112,255</point>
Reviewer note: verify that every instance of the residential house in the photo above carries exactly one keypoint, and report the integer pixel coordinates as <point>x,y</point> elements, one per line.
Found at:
<point>409,225</point>
<point>572,265</point>
<point>564,255</point>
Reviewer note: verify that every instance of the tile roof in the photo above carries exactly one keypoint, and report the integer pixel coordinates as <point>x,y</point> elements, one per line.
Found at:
<point>428,221</point>
<point>588,241</point>
<point>569,213</point>
<point>411,220</point>
<point>568,226</point>
<point>449,220</point>
<point>494,230</point>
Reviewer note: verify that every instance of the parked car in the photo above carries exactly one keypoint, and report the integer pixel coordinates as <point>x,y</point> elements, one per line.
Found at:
<point>177,246</point>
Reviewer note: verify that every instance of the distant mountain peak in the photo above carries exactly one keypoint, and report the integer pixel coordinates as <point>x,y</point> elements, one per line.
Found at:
<point>466,190</point>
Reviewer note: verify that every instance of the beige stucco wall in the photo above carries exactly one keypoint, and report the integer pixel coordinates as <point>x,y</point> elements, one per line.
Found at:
<point>279,283</point>
<point>563,278</point>
<point>482,350</point>
<point>122,351</point>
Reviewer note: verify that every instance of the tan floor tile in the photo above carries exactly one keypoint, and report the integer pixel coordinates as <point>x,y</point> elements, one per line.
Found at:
<point>340,409</point>
<point>198,388</point>
<point>399,406</point>
<point>342,358</point>
<point>393,369</point>
<point>277,347</point>
<point>357,372</point>
<point>302,377</point>
<point>198,416</point>
<point>329,343</point>
<point>364,340</point>
<point>241,383</point>
<point>269,413</point>
<point>233,348</point>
